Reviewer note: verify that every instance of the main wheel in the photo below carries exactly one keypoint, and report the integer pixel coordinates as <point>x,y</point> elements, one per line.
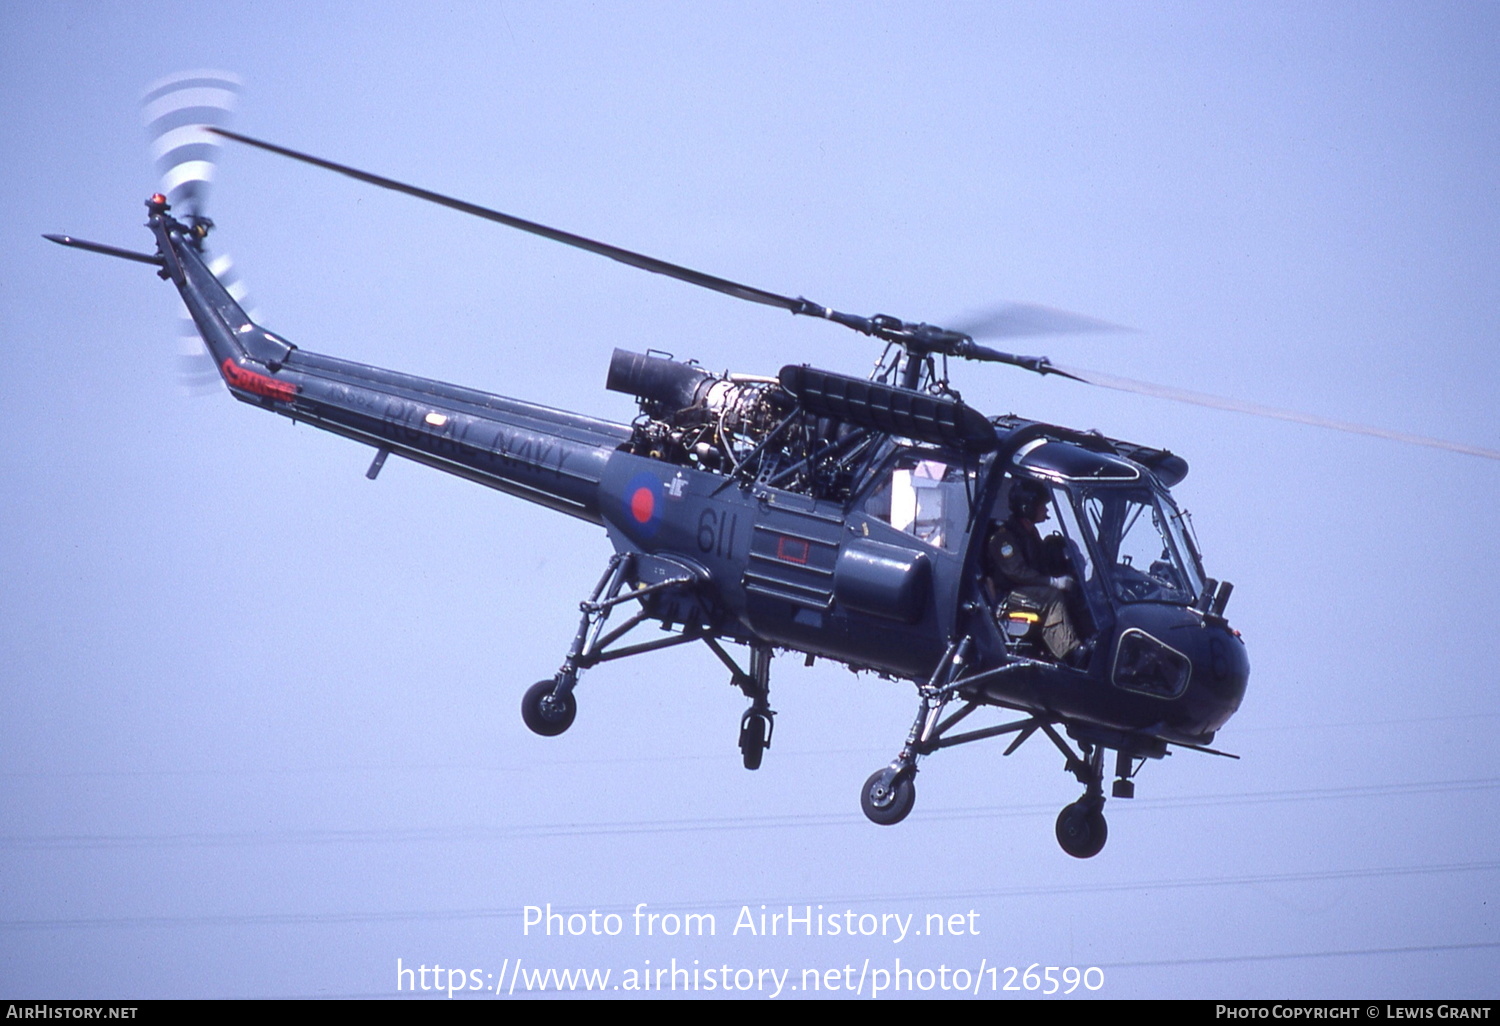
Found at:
<point>545,713</point>
<point>755,732</point>
<point>888,796</point>
<point>1081,830</point>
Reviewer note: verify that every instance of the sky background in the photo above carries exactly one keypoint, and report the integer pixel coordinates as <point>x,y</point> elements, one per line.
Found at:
<point>261,731</point>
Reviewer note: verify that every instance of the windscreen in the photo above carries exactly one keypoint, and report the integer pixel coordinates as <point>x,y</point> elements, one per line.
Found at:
<point>1141,545</point>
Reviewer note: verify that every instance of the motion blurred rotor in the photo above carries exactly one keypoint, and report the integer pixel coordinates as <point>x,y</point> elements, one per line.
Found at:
<point>179,113</point>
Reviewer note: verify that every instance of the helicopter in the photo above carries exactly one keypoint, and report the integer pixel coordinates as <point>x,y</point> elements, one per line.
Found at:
<point>859,520</point>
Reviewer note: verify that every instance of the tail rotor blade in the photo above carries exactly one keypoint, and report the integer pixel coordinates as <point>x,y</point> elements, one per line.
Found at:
<point>196,373</point>
<point>223,268</point>
<point>177,111</point>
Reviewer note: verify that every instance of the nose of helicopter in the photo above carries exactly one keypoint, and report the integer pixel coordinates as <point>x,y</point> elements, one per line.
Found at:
<point>1196,663</point>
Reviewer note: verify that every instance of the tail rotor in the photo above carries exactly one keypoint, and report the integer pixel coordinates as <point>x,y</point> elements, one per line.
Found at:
<point>178,112</point>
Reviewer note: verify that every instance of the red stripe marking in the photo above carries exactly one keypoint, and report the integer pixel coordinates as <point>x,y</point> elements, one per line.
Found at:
<point>251,381</point>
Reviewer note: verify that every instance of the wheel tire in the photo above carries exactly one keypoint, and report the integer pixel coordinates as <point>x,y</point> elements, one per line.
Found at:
<point>545,713</point>
<point>1081,830</point>
<point>888,796</point>
<point>753,730</point>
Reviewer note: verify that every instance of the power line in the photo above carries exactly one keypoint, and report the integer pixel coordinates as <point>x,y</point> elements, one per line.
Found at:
<point>407,835</point>
<point>470,767</point>
<point>1018,891</point>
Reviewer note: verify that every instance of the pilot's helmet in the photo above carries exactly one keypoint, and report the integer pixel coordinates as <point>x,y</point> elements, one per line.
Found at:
<point>1024,496</point>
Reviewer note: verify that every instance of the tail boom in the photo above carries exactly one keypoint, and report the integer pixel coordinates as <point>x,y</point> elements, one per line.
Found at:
<point>551,457</point>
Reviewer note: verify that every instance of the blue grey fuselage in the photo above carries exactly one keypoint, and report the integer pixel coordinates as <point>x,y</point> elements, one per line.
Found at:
<point>776,567</point>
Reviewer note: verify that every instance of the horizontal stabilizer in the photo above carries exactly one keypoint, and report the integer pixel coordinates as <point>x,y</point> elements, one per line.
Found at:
<point>99,247</point>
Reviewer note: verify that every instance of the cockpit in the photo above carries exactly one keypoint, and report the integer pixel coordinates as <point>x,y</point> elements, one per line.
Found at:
<point>1126,536</point>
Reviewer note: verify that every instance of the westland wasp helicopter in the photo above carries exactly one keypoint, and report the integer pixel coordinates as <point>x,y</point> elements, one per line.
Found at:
<point>873,522</point>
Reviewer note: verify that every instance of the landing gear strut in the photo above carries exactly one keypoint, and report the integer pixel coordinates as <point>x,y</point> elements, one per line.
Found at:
<point>1081,828</point>
<point>890,793</point>
<point>548,707</point>
<point>759,721</point>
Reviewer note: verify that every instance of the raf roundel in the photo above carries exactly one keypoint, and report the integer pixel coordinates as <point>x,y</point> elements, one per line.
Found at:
<point>643,503</point>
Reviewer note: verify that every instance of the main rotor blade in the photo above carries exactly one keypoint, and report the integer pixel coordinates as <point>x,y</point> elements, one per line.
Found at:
<point>918,338</point>
<point>970,350</point>
<point>1019,320</point>
<point>1240,406</point>
<point>1011,319</point>
<point>624,256</point>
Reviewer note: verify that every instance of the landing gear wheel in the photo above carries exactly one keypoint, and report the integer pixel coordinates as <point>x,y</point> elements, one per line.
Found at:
<point>888,796</point>
<point>1081,830</point>
<point>545,713</point>
<point>754,738</point>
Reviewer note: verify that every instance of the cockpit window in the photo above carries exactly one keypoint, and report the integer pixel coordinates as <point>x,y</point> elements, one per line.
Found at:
<point>926,498</point>
<point>1078,550</point>
<point>1140,542</point>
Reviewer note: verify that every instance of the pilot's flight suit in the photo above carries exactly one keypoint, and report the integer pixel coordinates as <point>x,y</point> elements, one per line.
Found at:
<point>1017,559</point>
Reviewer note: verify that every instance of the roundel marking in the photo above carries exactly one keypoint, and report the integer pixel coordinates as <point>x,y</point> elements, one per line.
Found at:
<point>642,504</point>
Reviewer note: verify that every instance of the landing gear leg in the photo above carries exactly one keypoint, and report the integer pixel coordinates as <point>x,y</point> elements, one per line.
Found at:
<point>890,793</point>
<point>759,721</point>
<point>1081,829</point>
<point>548,707</point>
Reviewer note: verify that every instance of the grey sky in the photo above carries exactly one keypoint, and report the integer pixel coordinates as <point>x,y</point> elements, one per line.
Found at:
<point>261,732</point>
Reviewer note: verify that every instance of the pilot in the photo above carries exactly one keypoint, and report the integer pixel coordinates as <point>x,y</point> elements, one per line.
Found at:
<point>1022,564</point>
